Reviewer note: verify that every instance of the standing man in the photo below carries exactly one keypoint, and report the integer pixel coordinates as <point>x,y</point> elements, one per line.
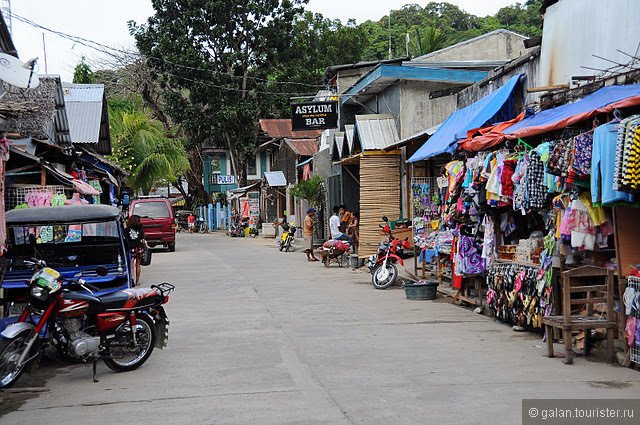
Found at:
<point>345,218</point>
<point>192,222</point>
<point>307,226</point>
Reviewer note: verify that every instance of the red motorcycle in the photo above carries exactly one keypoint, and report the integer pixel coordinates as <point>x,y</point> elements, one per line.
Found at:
<point>383,265</point>
<point>122,327</point>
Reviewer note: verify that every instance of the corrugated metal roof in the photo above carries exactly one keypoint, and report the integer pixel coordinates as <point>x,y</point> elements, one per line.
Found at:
<point>376,132</point>
<point>275,178</point>
<point>338,142</point>
<point>281,128</point>
<point>84,111</point>
<point>303,147</point>
<point>326,139</point>
<point>349,132</point>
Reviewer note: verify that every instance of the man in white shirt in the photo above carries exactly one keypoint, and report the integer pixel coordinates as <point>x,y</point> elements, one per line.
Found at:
<point>334,223</point>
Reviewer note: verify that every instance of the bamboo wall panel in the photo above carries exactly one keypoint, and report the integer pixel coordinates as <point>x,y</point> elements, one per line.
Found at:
<point>379,195</point>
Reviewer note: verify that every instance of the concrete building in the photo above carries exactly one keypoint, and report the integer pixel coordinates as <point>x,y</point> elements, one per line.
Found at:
<point>584,37</point>
<point>418,94</point>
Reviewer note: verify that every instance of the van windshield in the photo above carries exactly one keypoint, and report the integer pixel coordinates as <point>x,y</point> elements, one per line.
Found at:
<point>151,210</point>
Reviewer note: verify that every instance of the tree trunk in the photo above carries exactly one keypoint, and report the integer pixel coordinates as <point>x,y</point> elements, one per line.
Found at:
<point>194,176</point>
<point>158,113</point>
<point>187,199</point>
<point>237,165</point>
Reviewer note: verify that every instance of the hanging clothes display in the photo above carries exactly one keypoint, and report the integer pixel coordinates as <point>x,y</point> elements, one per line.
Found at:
<point>603,167</point>
<point>536,191</point>
<point>627,161</point>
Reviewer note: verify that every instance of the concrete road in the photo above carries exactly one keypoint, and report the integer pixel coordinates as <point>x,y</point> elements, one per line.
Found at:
<point>263,337</point>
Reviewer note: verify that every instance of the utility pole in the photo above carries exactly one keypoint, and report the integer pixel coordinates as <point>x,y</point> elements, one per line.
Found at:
<point>6,13</point>
<point>389,34</point>
<point>44,47</point>
<point>406,43</point>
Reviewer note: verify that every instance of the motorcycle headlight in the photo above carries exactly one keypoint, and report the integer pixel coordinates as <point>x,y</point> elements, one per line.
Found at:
<point>39,293</point>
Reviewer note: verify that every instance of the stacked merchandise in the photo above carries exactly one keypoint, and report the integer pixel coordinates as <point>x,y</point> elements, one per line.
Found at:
<point>632,309</point>
<point>514,296</point>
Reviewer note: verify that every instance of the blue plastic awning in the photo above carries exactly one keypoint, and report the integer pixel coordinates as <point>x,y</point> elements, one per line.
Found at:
<point>304,162</point>
<point>488,110</point>
<point>603,100</point>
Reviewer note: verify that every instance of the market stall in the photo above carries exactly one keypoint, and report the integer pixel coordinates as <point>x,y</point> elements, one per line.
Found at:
<point>541,208</point>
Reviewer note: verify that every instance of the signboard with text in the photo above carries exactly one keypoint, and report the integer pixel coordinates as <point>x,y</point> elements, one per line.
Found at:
<point>314,115</point>
<point>226,179</point>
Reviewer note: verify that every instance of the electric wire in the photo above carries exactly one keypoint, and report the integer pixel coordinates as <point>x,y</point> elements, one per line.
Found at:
<point>111,51</point>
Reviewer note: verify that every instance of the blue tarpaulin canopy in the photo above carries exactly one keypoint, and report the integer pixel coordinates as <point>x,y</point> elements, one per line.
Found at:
<point>603,100</point>
<point>488,110</point>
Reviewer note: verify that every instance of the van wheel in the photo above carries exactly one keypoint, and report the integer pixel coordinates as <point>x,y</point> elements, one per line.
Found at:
<point>171,246</point>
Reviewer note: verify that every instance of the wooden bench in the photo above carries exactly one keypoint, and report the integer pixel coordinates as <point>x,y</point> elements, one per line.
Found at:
<point>583,286</point>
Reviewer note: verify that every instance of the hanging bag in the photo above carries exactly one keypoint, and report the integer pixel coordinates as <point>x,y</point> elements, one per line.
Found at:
<point>146,257</point>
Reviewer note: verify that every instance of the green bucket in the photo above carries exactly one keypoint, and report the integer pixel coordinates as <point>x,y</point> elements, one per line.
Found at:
<point>422,290</point>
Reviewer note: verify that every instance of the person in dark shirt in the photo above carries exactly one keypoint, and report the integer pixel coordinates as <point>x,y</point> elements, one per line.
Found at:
<point>136,237</point>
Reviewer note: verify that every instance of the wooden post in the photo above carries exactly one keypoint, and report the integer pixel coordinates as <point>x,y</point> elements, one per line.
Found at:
<point>622,286</point>
<point>43,177</point>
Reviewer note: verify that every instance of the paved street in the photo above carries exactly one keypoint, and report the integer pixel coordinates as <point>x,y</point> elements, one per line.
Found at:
<point>263,337</point>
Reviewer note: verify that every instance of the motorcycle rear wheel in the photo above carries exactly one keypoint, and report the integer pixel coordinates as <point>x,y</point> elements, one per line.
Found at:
<point>146,336</point>
<point>392,275</point>
<point>10,350</point>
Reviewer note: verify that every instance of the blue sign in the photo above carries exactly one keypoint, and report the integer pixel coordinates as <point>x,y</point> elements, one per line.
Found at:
<point>226,179</point>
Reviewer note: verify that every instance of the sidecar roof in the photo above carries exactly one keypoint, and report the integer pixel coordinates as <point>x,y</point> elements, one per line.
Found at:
<point>68,214</point>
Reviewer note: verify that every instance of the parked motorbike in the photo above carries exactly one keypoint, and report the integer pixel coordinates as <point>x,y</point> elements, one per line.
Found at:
<point>63,315</point>
<point>237,228</point>
<point>200,226</point>
<point>383,264</point>
<point>288,236</point>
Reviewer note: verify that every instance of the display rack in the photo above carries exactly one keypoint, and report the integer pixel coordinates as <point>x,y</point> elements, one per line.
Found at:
<point>634,282</point>
<point>18,195</point>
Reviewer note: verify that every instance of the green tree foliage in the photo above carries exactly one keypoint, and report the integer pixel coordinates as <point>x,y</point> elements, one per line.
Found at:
<point>83,73</point>
<point>454,24</point>
<point>430,40</point>
<point>216,57</point>
<point>142,149</point>
<point>310,190</point>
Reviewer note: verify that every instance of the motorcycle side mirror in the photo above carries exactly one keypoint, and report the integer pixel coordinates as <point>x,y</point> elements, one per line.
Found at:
<point>384,218</point>
<point>102,271</point>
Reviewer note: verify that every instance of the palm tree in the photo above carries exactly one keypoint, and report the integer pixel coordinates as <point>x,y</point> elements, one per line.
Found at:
<point>143,150</point>
<point>431,40</point>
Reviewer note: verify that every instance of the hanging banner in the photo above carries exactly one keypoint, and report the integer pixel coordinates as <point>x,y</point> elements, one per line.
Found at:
<point>314,115</point>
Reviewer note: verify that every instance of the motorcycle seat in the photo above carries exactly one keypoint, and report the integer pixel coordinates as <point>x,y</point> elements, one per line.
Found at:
<point>130,298</point>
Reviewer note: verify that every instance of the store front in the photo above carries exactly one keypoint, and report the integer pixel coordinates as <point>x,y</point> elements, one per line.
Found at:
<point>541,210</point>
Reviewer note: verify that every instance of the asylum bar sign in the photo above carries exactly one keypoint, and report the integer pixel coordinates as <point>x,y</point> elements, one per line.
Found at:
<point>314,115</point>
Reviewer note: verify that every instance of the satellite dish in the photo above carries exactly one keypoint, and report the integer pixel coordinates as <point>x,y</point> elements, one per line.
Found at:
<point>14,72</point>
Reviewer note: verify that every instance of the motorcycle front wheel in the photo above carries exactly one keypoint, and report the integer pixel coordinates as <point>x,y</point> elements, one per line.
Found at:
<point>124,357</point>
<point>383,278</point>
<point>288,244</point>
<point>10,351</point>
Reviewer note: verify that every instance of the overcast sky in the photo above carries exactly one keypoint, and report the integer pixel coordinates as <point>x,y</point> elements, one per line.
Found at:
<point>106,22</point>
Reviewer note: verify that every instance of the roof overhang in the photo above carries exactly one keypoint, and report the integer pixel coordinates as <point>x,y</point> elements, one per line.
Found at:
<point>384,76</point>
<point>375,132</point>
<point>420,136</point>
<point>275,179</point>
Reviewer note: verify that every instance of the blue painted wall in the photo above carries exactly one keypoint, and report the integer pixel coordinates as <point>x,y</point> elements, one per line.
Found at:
<point>212,188</point>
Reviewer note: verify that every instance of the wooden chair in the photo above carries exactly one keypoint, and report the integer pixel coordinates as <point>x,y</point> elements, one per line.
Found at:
<point>580,282</point>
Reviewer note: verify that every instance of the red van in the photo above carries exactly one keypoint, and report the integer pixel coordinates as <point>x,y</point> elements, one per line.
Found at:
<point>157,220</point>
